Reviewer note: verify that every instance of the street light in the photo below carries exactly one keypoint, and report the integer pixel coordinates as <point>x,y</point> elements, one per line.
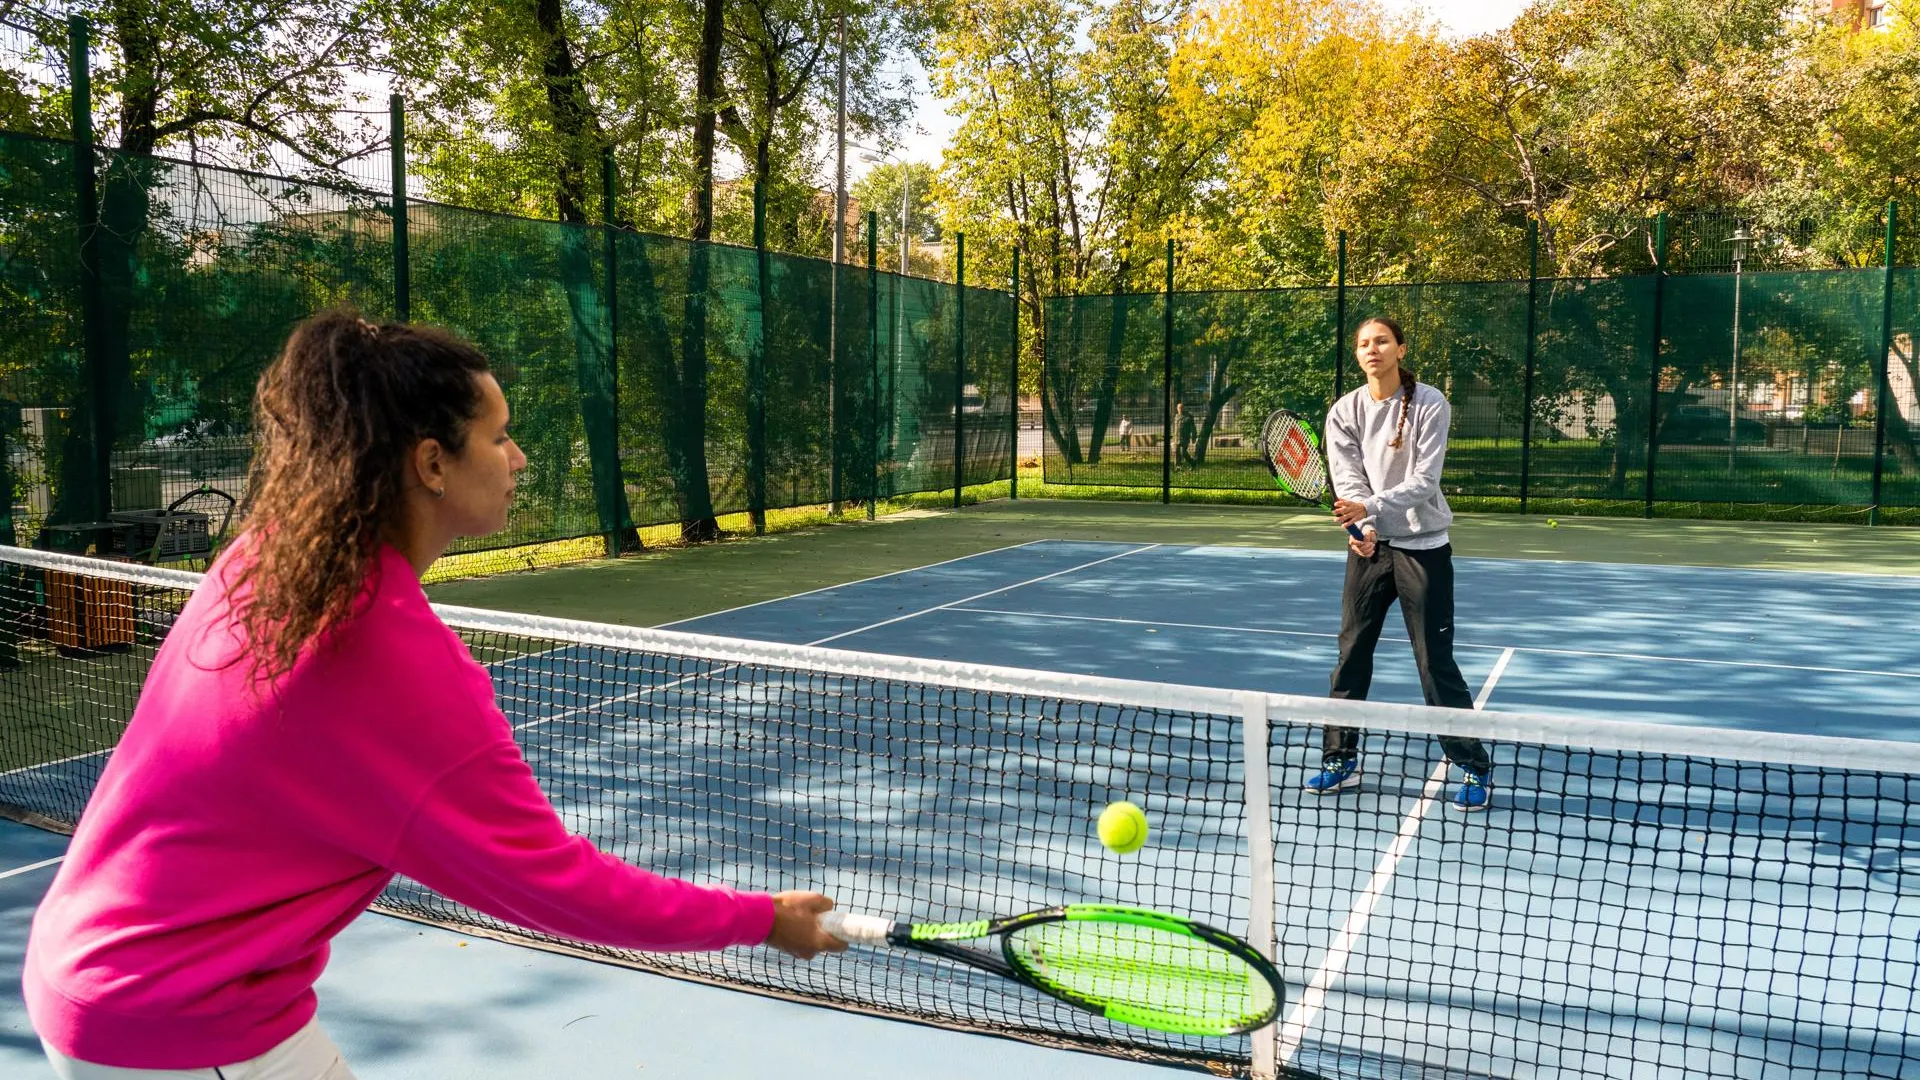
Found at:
<point>1741,239</point>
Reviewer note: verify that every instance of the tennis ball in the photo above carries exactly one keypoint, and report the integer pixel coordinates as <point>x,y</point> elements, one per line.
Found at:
<point>1552,524</point>
<point>1123,828</point>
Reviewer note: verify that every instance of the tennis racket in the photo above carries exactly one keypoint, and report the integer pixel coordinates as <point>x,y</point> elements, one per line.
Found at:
<point>1292,453</point>
<point>1127,964</point>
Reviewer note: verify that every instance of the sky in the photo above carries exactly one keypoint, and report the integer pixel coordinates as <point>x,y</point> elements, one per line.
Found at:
<point>932,127</point>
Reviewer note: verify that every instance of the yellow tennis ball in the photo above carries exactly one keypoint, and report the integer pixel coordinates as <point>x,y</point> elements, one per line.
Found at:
<point>1123,828</point>
<point>1552,524</point>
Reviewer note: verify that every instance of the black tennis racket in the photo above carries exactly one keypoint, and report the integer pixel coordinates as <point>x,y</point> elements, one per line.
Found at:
<point>1292,452</point>
<point>1130,965</point>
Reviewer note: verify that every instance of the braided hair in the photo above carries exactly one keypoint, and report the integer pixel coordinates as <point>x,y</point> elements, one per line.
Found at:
<point>1407,381</point>
<point>1406,402</point>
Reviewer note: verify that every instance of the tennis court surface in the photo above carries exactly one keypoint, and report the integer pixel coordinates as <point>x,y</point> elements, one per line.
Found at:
<point>1703,857</point>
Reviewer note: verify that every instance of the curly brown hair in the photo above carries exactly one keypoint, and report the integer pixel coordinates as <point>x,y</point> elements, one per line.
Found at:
<point>336,418</point>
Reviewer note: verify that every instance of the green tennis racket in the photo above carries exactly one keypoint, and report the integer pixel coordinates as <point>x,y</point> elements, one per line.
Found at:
<point>1131,965</point>
<point>1291,452</point>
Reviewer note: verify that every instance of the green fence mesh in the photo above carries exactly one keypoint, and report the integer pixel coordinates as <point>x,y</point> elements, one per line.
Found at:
<point>652,380</point>
<point>1104,390</point>
<point>1774,413</point>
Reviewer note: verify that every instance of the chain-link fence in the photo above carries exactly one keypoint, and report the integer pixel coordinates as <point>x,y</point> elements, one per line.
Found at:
<point>1757,392</point>
<point>653,380</point>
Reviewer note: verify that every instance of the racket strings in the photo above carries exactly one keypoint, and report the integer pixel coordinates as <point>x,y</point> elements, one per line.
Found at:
<point>1293,456</point>
<point>1183,982</point>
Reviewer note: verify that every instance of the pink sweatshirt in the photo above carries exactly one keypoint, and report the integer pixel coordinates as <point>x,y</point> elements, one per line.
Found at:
<point>234,833</point>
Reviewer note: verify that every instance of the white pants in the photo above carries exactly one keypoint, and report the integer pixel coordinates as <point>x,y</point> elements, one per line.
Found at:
<point>306,1055</point>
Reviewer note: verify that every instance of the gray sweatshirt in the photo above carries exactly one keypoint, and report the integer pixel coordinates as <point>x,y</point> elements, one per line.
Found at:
<point>1401,488</point>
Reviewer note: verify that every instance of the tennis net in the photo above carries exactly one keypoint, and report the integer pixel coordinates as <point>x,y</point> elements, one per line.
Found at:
<point>1639,901</point>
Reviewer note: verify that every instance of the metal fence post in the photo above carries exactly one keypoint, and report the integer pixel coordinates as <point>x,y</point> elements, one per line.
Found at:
<point>1653,375</point>
<point>1013,381</point>
<point>1340,322</point>
<point>1881,364</point>
<point>1526,410</point>
<point>1166,394</point>
<point>959,363</point>
<point>402,285</point>
<point>873,361</point>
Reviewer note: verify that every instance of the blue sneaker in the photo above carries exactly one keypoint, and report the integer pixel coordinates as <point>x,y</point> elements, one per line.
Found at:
<point>1336,774</point>
<point>1474,792</point>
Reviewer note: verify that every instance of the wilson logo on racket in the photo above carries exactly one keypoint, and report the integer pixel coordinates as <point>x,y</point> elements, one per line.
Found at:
<point>1294,454</point>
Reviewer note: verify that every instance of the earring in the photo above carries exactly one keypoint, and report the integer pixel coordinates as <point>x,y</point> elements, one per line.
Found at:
<point>439,493</point>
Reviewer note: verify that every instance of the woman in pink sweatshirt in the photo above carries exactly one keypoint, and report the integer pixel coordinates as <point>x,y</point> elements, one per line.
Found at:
<point>310,729</point>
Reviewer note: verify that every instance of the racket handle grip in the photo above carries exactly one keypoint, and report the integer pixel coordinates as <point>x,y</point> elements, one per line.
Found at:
<point>1354,531</point>
<point>856,929</point>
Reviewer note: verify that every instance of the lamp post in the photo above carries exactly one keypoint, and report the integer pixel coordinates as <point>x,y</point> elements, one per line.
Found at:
<point>1741,239</point>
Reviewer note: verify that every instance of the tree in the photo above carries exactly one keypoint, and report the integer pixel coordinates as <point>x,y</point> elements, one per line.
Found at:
<point>243,81</point>
<point>1063,152</point>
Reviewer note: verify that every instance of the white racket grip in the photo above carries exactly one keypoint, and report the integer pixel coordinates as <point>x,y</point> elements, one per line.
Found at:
<point>856,929</point>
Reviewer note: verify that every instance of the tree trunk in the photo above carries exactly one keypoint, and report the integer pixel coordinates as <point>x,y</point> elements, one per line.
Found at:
<point>109,402</point>
<point>1109,371</point>
<point>687,436</point>
<point>1222,392</point>
<point>594,375</point>
<point>1058,402</point>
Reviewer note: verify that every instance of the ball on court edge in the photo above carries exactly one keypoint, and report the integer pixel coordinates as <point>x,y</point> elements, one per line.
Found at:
<point>1123,828</point>
<point>1552,524</point>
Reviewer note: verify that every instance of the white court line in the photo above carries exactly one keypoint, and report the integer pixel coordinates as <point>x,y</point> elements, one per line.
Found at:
<point>24,769</point>
<point>1335,962</point>
<point>1466,645</point>
<point>602,703</point>
<point>984,595</point>
<point>18,870</point>
<point>809,592</point>
<point>857,581</point>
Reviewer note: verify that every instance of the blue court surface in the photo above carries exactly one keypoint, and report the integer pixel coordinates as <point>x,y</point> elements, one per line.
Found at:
<point>1608,917</point>
<point>1763,650</point>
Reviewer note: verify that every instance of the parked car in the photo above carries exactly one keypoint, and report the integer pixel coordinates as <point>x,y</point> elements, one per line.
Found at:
<point>1706,424</point>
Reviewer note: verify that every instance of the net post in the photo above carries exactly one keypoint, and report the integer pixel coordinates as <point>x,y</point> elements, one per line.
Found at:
<point>1882,363</point>
<point>757,370</point>
<point>1013,382</point>
<point>1653,375</point>
<point>1340,321</point>
<point>1255,780</point>
<point>959,362</point>
<point>1166,393</point>
<point>872,440</point>
<point>1526,410</point>
<point>402,278</point>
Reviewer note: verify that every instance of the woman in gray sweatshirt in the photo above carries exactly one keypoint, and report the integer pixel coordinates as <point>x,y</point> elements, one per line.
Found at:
<point>1386,445</point>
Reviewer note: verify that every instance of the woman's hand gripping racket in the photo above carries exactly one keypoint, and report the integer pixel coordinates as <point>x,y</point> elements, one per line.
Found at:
<point>1127,964</point>
<point>1292,453</point>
